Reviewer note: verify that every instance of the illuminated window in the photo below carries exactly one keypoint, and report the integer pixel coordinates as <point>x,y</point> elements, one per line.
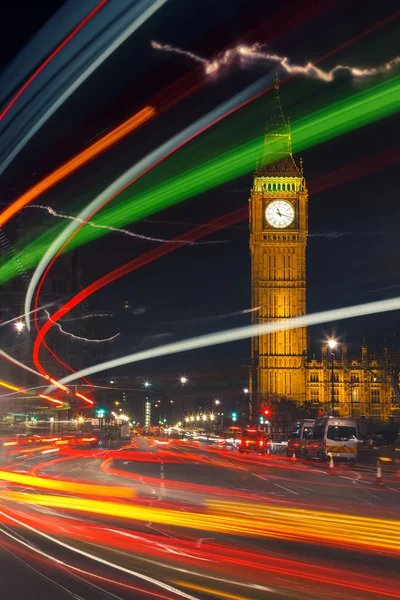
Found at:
<point>375,396</point>
<point>269,187</point>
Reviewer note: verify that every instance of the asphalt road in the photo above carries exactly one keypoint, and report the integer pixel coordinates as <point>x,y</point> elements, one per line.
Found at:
<point>108,555</point>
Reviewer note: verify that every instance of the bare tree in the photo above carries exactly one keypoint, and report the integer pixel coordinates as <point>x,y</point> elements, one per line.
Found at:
<point>387,371</point>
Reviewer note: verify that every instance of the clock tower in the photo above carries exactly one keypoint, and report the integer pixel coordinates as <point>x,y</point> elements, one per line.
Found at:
<point>278,238</point>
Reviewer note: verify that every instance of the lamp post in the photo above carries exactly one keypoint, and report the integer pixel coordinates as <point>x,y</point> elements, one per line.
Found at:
<point>332,345</point>
<point>183,381</point>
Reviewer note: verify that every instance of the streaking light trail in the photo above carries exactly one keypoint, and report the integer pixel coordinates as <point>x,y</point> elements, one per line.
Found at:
<point>139,236</point>
<point>255,52</point>
<point>127,178</point>
<point>76,162</point>
<point>358,110</point>
<point>241,333</point>
<point>80,338</point>
<point>142,11</point>
<point>51,56</point>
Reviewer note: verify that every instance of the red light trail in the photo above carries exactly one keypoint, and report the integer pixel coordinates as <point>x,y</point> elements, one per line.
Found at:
<point>331,179</point>
<point>165,100</point>
<point>40,340</point>
<point>51,56</point>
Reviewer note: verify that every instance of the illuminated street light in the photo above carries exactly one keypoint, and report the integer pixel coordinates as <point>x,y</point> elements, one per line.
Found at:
<point>19,326</point>
<point>147,384</point>
<point>117,403</point>
<point>186,419</point>
<point>197,417</point>
<point>217,401</point>
<point>212,417</point>
<point>112,381</point>
<point>184,380</point>
<point>332,345</point>
<point>246,391</point>
<point>192,418</point>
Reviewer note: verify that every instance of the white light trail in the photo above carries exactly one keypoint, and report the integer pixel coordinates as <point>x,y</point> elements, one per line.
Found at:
<point>168,48</point>
<point>141,12</point>
<point>102,561</point>
<point>82,339</point>
<point>254,52</point>
<point>241,333</point>
<point>146,163</point>
<point>147,238</point>
<point>20,364</point>
<point>24,315</point>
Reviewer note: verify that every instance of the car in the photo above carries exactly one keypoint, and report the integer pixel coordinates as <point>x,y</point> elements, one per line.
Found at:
<point>254,440</point>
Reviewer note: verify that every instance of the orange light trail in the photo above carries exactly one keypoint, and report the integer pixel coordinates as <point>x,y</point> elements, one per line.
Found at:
<point>50,399</point>
<point>78,161</point>
<point>236,518</point>
<point>70,487</point>
<point>12,387</point>
<point>88,400</point>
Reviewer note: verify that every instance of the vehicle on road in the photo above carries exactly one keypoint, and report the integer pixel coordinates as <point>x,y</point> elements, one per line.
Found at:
<point>301,430</point>
<point>254,440</point>
<point>332,436</point>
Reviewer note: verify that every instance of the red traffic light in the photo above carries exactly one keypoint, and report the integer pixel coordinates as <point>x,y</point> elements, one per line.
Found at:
<point>266,412</point>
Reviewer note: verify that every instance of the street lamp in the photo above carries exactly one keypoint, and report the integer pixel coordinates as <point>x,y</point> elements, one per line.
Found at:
<point>332,345</point>
<point>147,384</point>
<point>19,326</point>
<point>246,391</point>
<point>184,380</point>
<point>217,401</point>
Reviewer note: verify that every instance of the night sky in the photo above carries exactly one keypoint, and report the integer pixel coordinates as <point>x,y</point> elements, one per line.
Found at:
<point>354,230</point>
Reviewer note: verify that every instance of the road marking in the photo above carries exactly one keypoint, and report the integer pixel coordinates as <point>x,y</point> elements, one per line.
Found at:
<point>260,477</point>
<point>287,489</point>
<point>162,484</point>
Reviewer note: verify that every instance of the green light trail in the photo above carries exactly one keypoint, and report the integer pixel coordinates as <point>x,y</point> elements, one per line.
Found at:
<point>358,110</point>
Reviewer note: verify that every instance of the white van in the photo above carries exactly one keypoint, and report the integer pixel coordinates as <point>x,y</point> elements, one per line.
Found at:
<point>333,436</point>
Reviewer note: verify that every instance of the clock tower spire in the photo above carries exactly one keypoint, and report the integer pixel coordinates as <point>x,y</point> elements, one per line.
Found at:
<point>278,238</point>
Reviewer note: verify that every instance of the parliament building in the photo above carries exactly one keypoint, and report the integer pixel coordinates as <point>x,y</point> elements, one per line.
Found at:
<point>281,368</point>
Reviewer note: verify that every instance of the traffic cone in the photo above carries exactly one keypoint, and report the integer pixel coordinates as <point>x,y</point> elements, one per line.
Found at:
<point>294,456</point>
<point>379,479</point>
<point>331,469</point>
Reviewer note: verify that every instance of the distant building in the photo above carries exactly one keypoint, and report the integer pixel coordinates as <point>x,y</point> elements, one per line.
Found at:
<point>278,240</point>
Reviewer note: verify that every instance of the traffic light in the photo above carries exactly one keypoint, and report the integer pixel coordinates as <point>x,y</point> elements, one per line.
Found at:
<point>267,412</point>
<point>100,413</point>
<point>164,420</point>
<point>262,420</point>
<point>234,416</point>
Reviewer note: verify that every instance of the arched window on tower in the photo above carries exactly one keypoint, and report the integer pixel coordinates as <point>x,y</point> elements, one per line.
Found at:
<point>279,187</point>
<point>293,187</point>
<point>265,186</point>
<point>274,187</point>
<point>269,187</point>
<point>284,187</point>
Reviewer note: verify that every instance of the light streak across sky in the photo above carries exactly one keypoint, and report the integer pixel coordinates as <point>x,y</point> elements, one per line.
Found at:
<point>139,236</point>
<point>343,116</point>
<point>80,338</point>
<point>145,164</point>
<point>241,333</point>
<point>77,161</point>
<point>255,52</point>
<point>51,56</point>
<point>141,11</point>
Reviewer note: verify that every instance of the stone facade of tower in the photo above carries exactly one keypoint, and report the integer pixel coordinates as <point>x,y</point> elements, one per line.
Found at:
<point>278,239</point>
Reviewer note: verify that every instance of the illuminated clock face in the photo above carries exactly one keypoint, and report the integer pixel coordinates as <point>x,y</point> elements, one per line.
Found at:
<point>279,214</point>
